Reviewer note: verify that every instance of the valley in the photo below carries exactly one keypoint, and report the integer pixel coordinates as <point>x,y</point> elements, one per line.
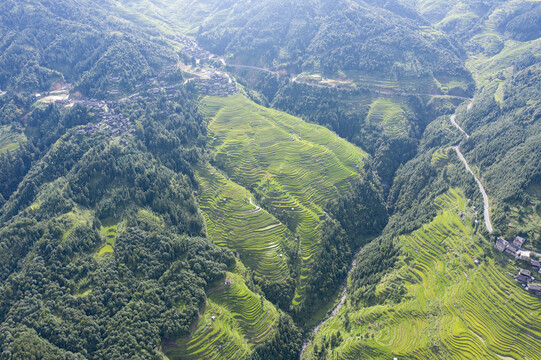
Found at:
<point>186,179</point>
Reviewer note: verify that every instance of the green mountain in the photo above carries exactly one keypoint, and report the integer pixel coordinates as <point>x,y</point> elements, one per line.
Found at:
<point>188,179</point>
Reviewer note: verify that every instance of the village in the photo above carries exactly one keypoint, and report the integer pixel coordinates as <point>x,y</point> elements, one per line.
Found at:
<point>524,276</point>
<point>113,124</point>
<point>192,48</point>
<point>217,84</point>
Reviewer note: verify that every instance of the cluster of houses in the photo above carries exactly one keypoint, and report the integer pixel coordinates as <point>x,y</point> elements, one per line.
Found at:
<point>92,103</point>
<point>192,48</point>
<point>113,124</point>
<point>63,102</point>
<point>160,80</point>
<point>524,276</point>
<point>217,84</point>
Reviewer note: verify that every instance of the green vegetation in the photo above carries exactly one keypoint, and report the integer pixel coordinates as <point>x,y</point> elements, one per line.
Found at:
<point>234,321</point>
<point>9,139</point>
<point>86,48</point>
<point>448,308</point>
<point>234,221</point>
<point>292,167</point>
<point>165,224</point>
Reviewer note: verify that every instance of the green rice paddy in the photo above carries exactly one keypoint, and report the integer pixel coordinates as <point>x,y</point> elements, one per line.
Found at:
<point>440,157</point>
<point>72,219</point>
<point>294,167</point>
<point>388,114</point>
<point>234,321</point>
<point>453,309</point>
<point>109,233</point>
<point>107,249</point>
<point>234,221</point>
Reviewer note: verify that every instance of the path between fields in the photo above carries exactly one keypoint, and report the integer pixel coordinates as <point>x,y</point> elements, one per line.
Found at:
<point>257,208</point>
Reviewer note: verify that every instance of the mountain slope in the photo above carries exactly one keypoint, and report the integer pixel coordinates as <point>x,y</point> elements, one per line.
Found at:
<point>448,308</point>
<point>85,44</point>
<point>293,169</point>
<point>161,222</point>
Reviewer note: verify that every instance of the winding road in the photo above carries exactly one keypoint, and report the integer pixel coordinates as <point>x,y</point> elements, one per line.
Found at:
<point>486,203</point>
<point>257,208</point>
<point>453,120</point>
<point>250,67</point>
<point>481,188</point>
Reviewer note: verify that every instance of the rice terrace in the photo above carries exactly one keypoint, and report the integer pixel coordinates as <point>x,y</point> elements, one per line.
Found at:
<point>270,180</point>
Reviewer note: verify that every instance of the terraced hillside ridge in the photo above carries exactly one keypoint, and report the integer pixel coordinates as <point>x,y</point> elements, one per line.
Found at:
<point>455,307</point>
<point>234,321</point>
<point>293,167</point>
<point>389,115</point>
<point>234,221</point>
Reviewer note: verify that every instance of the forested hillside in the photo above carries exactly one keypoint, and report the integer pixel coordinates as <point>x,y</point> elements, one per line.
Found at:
<point>86,48</point>
<point>188,179</point>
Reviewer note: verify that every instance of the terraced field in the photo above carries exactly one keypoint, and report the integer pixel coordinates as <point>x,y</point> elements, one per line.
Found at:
<point>389,115</point>
<point>295,168</point>
<point>235,222</point>
<point>440,157</point>
<point>454,308</point>
<point>234,321</point>
<point>109,234</point>
<point>9,139</point>
<point>495,63</point>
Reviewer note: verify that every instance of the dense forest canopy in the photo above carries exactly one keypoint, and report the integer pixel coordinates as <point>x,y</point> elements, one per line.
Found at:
<point>331,36</point>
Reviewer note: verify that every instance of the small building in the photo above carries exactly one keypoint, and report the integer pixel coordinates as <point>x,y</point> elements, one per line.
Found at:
<point>522,255</point>
<point>536,263</point>
<point>534,288</point>
<point>519,241</point>
<point>512,249</point>
<point>524,276</point>
<point>501,244</point>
